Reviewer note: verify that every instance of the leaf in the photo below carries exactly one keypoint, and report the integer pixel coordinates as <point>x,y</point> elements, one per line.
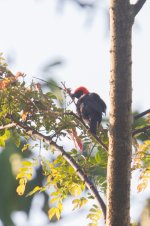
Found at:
<point>75,206</point>
<point>93,210</point>
<point>54,193</point>
<point>4,137</point>
<point>75,201</point>
<point>25,175</point>
<point>51,212</point>
<point>142,185</point>
<point>95,206</point>
<point>51,95</point>
<point>83,201</point>
<point>25,147</point>
<point>37,188</point>
<point>20,189</point>
<point>17,141</point>
<point>22,181</point>
<point>75,189</point>
<point>98,157</point>
<point>54,200</point>
<point>57,212</point>
<point>92,224</point>
<point>91,216</point>
<point>27,163</point>
<point>24,115</point>
<point>60,206</point>
<point>2,142</point>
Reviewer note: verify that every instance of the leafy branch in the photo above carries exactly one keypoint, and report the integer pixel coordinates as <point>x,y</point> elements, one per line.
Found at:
<point>47,139</point>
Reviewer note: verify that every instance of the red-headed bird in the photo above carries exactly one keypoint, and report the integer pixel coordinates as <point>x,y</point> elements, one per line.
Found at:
<point>90,107</point>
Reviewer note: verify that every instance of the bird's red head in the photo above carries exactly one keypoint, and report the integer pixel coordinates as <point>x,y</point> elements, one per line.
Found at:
<point>83,89</point>
<point>79,92</point>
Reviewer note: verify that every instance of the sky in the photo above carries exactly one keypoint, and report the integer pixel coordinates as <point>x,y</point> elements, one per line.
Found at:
<point>34,32</point>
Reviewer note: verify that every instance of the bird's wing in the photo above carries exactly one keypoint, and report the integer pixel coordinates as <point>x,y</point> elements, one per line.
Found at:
<point>94,101</point>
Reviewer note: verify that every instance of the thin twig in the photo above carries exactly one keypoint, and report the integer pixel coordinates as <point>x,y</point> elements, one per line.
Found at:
<point>48,83</point>
<point>141,114</point>
<point>140,130</point>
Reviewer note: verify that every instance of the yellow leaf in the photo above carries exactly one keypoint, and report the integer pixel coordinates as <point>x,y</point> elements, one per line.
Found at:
<point>75,189</point>
<point>60,206</point>
<point>75,206</point>
<point>92,224</point>
<point>57,213</point>
<point>75,201</point>
<point>142,185</point>
<point>24,175</point>
<point>51,212</point>
<point>37,188</point>
<point>54,200</point>
<point>49,179</point>
<point>20,189</point>
<point>27,163</point>
<point>25,147</point>
<point>22,181</point>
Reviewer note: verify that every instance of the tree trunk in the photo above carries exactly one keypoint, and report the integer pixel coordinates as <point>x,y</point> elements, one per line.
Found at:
<point>119,159</point>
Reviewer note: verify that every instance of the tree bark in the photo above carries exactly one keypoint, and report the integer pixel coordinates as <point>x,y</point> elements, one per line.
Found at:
<point>119,159</point>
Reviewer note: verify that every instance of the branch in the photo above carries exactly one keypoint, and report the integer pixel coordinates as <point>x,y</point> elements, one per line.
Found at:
<point>47,139</point>
<point>84,4</point>
<point>10,125</point>
<point>141,114</point>
<point>87,129</point>
<point>137,6</point>
<point>141,130</point>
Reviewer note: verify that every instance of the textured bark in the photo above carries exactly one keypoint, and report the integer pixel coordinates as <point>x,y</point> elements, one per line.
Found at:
<point>119,160</point>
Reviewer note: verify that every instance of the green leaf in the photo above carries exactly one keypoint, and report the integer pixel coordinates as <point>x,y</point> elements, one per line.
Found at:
<point>51,95</point>
<point>92,216</point>
<point>2,142</point>
<point>83,201</point>
<point>4,137</point>
<point>93,210</point>
<point>98,157</point>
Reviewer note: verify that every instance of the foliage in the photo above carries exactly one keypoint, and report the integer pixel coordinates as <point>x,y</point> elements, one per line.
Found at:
<point>29,114</point>
<point>26,109</point>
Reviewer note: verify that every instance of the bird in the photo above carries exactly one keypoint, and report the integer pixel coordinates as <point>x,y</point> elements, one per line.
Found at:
<point>90,107</point>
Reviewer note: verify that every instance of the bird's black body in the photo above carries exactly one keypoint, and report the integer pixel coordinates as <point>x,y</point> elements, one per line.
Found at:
<point>90,107</point>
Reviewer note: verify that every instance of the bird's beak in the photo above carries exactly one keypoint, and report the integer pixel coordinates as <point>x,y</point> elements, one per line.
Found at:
<point>73,95</point>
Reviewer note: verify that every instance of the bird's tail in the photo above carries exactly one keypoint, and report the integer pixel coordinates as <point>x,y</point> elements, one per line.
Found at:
<point>94,124</point>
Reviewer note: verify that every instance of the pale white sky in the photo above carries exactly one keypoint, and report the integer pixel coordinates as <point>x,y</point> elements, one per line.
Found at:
<point>35,32</point>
